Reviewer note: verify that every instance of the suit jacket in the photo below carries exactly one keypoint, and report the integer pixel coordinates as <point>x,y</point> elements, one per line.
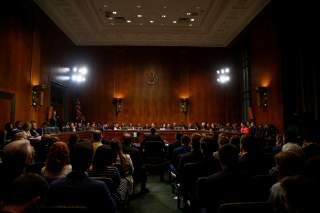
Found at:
<point>79,189</point>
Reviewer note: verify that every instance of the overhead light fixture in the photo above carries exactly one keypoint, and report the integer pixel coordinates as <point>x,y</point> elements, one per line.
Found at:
<point>188,14</point>
<point>138,6</point>
<point>139,16</point>
<point>151,21</point>
<point>192,19</point>
<point>163,16</point>
<point>114,12</point>
<point>128,21</point>
<point>174,21</point>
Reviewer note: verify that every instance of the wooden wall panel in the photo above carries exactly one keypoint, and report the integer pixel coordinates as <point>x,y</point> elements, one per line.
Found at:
<point>181,72</point>
<point>266,69</point>
<point>16,42</point>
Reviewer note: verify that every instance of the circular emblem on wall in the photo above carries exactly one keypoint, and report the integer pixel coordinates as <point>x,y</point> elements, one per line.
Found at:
<point>151,78</point>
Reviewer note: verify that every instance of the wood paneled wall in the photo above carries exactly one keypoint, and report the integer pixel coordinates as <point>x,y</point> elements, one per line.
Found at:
<point>265,57</point>
<point>180,72</point>
<point>16,56</point>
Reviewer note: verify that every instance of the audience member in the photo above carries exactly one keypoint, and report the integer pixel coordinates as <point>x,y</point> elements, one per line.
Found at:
<point>25,194</point>
<point>77,189</point>
<point>57,164</point>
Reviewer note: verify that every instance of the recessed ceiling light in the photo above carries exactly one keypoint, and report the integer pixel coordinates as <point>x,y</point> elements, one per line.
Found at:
<point>163,16</point>
<point>105,5</point>
<point>151,21</point>
<point>192,19</point>
<point>140,24</point>
<point>138,6</point>
<point>114,12</point>
<point>110,18</point>
<point>128,21</point>
<point>174,21</point>
<point>139,15</point>
<point>188,14</point>
<point>164,7</point>
<point>190,25</point>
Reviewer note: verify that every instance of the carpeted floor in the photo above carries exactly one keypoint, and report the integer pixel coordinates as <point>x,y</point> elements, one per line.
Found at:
<point>159,200</point>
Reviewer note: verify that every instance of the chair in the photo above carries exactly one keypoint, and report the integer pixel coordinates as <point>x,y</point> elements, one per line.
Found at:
<point>153,153</point>
<point>260,187</point>
<point>247,207</point>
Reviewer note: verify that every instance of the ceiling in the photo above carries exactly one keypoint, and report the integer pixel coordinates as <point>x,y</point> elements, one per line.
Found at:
<point>207,23</point>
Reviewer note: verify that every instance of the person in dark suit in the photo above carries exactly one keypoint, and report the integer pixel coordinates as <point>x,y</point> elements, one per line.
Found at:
<point>77,189</point>
<point>55,120</point>
<point>151,137</point>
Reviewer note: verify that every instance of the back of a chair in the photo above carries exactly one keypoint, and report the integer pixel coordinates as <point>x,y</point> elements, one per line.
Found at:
<point>246,207</point>
<point>153,151</point>
<point>260,187</point>
<point>107,181</point>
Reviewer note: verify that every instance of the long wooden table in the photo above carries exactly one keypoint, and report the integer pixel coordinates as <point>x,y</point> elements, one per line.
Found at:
<point>168,135</point>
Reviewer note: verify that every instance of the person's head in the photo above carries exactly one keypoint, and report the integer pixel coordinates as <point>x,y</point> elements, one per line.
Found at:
<point>179,137</point>
<point>81,156</point>
<point>18,124</point>
<point>208,145</point>
<point>25,193</point>
<point>153,131</point>
<point>288,164</point>
<point>57,157</point>
<point>195,141</point>
<point>127,139</point>
<point>300,194</point>
<point>8,126</point>
<point>185,140</point>
<point>102,157</point>
<point>116,146</point>
<point>97,135</point>
<point>18,154</point>
<point>26,126</point>
<point>292,147</point>
<point>228,156</point>
<point>33,124</point>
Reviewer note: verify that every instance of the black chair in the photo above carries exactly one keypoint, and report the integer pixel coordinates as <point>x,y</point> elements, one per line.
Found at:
<point>153,154</point>
<point>247,207</point>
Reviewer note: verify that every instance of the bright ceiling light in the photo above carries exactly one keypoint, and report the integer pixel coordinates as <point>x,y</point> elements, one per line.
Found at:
<point>151,21</point>
<point>139,16</point>
<point>163,16</point>
<point>83,70</point>
<point>174,21</point>
<point>128,21</point>
<point>192,19</point>
<point>114,12</point>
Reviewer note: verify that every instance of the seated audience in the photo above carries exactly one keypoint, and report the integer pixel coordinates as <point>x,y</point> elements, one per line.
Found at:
<point>193,156</point>
<point>97,137</point>
<point>102,167</point>
<point>77,189</point>
<point>287,164</point>
<point>123,162</point>
<point>139,173</point>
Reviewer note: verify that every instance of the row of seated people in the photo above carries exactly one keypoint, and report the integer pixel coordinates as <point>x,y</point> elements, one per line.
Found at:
<point>78,155</point>
<point>218,171</point>
<point>74,171</point>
